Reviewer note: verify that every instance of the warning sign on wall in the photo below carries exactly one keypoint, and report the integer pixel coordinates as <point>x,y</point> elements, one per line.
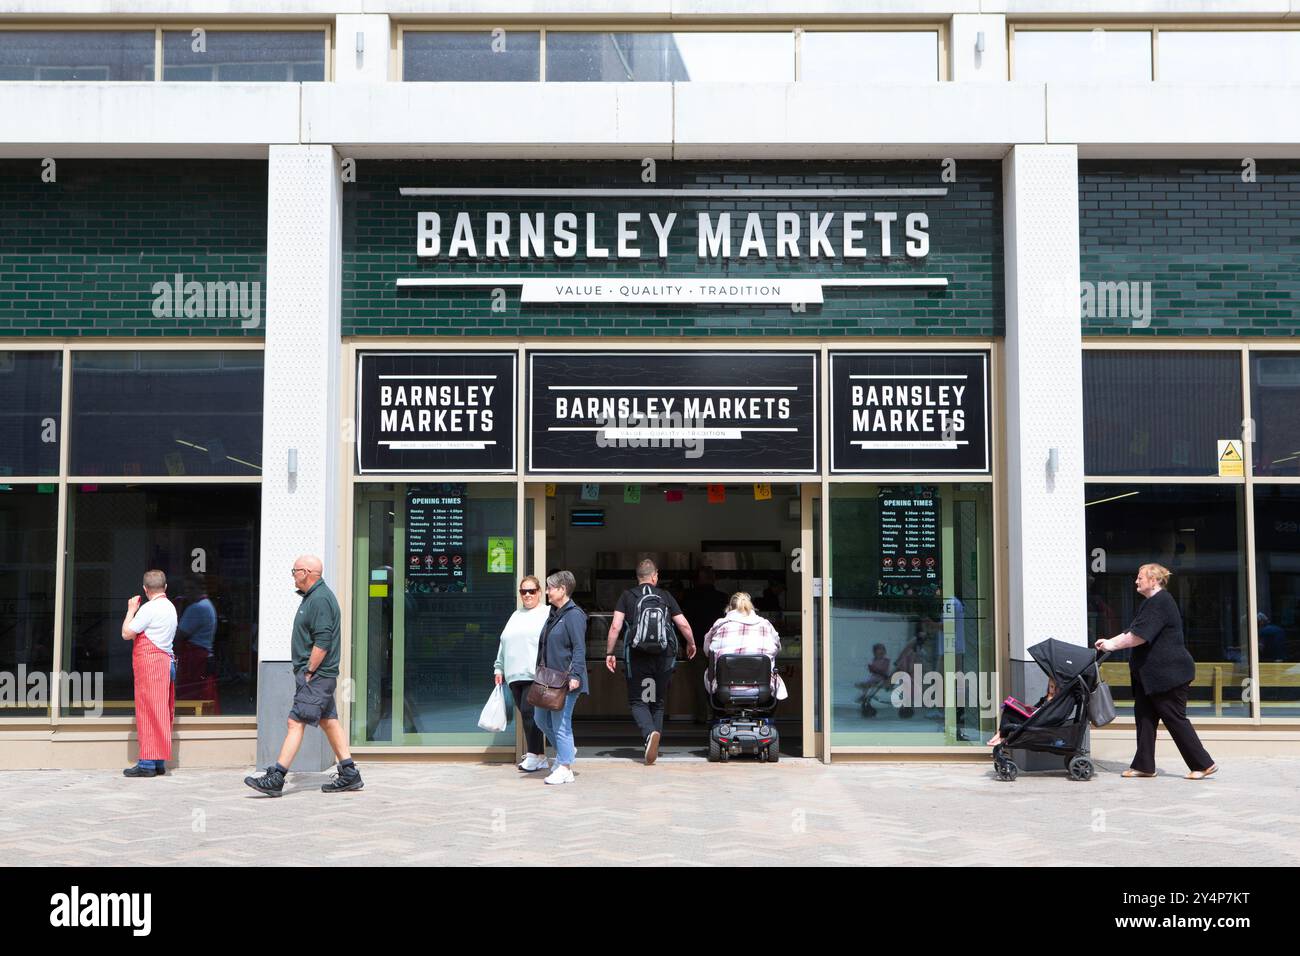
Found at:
<point>1231,462</point>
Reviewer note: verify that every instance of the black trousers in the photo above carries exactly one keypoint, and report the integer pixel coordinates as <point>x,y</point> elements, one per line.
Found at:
<point>1171,707</point>
<point>532,733</point>
<point>648,679</point>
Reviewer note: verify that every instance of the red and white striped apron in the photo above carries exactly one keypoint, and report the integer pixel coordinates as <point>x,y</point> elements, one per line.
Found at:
<point>155,699</point>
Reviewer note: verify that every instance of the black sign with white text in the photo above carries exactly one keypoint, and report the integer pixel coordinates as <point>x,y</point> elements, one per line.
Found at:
<point>433,412</point>
<point>909,412</point>
<point>724,412</point>
<point>909,542</point>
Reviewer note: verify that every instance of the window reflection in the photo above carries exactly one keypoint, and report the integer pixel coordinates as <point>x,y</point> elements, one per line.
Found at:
<point>1083,55</point>
<point>248,56</point>
<point>1197,531</point>
<point>31,388</point>
<point>28,521</point>
<point>205,538</point>
<point>471,56</point>
<point>1277,578</point>
<point>76,55</point>
<point>1275,408</point>
<point>167,413</point>
<point>669,57</point>
<point>911,615</point>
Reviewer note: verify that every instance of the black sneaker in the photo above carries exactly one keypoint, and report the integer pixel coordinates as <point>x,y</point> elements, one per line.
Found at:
<point>271,783</point>
<point>139,771</point>
<point>160,768</point>
<point>348,778</point>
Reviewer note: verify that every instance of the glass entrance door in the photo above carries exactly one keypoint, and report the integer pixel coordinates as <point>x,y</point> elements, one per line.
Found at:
<point>436,568</point>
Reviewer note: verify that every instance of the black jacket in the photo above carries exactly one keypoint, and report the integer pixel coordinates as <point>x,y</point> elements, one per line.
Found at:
<point>1162,663</point>
<point>563,644</point>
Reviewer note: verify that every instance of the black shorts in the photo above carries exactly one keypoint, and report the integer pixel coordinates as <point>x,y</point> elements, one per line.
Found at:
<point>314,701</point>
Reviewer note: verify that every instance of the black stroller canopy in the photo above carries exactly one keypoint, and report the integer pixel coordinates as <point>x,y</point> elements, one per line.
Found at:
<point>1061,661</point>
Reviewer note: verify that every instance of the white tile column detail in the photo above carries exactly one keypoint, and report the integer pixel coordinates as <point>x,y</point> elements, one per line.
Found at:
<point>370,64</point>
<point>966,62</point>
<point>1044,398</point>
<point>300,415</point>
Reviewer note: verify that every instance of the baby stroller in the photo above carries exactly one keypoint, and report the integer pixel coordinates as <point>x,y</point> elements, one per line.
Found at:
<point>743,703</point>
<point>1060,726</point>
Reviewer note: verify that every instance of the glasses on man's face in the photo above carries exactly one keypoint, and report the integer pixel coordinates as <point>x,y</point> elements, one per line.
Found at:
<point>527,591</point>
<point>298,571</point>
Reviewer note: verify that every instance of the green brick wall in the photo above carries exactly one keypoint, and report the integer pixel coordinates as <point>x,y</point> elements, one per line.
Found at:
<point>379,234</point>
<point>80,256</point>
<point>1222,255</point>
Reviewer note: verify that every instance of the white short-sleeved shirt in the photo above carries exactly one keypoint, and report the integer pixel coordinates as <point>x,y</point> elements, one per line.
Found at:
<point>156,620</point>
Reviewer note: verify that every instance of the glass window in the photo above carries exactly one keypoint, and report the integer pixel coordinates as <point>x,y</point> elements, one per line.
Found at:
<point>471,56</point>
<point>31,392</point>
<point>76,54</point>
<point>205,538</point>
<point>1238,56</point>
<point>28,520</point>
<point>1083,55</point>
<point>1197,532</point>
<point>669,57</point>
<point>248,56</point>
<point>437,569</point>
<point>1275,408</point>
<point>892,56</point>
<point>912,615</point>
<point>167,413</point>
<point>1159,413</point>
<point>1277,578</point>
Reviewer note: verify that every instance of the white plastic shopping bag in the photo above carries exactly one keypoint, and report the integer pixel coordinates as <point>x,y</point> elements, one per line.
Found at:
<point>493,717</point>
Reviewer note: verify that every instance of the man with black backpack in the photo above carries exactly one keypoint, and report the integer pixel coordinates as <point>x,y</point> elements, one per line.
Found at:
<point>649,650</point>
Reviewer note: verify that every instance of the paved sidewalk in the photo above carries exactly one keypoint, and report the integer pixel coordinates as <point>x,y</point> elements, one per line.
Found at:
<point>681,811</point>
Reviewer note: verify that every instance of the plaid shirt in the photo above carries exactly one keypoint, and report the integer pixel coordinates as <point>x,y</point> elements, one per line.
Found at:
<point>743,634</point>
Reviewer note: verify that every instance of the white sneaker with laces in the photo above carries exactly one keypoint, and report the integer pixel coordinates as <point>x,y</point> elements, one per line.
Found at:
<point>532,762</point>
<point>560,774</point>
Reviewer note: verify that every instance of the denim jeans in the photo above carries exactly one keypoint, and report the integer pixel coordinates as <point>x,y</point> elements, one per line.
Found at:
<point>558,727</point>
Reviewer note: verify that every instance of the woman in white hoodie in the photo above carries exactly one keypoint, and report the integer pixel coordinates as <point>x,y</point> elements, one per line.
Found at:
<point>516,664</point>
<point>742,631</point>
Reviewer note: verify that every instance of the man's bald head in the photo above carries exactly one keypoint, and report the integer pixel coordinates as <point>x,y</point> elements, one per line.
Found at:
<point>307,569</point>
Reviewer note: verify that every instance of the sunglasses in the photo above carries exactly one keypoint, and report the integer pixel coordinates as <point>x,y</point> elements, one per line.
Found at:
<point>528,590</point>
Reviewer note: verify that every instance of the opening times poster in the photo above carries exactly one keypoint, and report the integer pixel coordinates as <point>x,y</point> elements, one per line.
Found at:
<point>909,542</point>
<point>436,558</point>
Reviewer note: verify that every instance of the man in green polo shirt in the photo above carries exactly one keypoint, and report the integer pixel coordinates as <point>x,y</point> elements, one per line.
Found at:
<point>316,669</point>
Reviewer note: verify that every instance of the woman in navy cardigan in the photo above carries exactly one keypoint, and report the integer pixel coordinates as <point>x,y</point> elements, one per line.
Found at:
<point>563,647</point>
<point>1162,671</point>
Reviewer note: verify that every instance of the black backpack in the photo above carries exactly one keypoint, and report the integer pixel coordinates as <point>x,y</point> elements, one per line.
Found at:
<point>653,633</point>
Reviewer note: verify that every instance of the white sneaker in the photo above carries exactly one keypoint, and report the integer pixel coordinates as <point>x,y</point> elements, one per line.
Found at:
<point>560,774</point>
<point>533,762</point>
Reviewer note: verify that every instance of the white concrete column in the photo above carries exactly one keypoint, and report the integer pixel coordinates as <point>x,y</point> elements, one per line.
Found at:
<point>966,61</point>
<point>300,417</point>
<point>1044,398</point>
<point>370,63</point>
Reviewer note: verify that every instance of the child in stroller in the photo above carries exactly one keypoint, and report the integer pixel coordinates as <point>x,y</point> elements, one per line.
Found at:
<point>1015,713</point>
<point>1060,725</point>
<point>878,672</point>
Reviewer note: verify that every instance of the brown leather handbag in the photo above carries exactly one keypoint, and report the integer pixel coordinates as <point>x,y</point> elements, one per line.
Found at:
<point>550,687</point>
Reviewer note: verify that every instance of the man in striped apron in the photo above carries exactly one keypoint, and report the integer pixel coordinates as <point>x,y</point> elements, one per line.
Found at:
<point>152,626</point>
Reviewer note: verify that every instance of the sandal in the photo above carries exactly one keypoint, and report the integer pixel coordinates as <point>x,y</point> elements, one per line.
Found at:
<point>1136,773</point>
<point>1202,774</point>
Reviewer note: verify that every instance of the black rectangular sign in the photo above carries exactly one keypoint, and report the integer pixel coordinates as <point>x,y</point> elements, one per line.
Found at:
<point>717,413</point>
<point>433,412</point>
<point>435,538</point>
<point>909,541</point>
<point>909,412</point>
